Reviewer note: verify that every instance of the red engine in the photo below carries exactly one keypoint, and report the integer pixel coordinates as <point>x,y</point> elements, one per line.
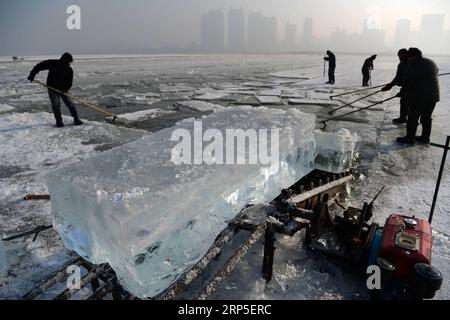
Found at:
<point>405,242</point>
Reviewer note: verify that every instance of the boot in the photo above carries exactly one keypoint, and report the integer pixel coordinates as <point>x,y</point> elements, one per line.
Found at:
<point>423,140</point>
<point>426,133</point>
<point>76,119</point>
<point>406,140</point>
<point>58,117</point>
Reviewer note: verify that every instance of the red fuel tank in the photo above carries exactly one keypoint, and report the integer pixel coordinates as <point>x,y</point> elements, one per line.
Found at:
<point>405,242</point>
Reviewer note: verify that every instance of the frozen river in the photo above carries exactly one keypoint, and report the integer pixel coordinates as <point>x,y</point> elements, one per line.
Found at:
<point>151,93</point>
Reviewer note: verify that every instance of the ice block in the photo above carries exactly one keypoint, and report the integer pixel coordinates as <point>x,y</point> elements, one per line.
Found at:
<point>335,151</point>
<point>151,219</point>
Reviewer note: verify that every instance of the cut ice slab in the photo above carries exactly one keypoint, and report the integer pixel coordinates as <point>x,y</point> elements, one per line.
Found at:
<point>141,115</point>
<point>273,100</point>
<point>201,106</point>
<point>212,96</point>
<point>291,74</point>
<point>314,102</point>
<point>6,108</point>
<point>152,220</point>
<point>335,151</point>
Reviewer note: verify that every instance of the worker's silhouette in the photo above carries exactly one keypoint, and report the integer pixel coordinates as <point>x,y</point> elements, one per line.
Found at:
<point>60,77</point>
<point>366,70</point>
<point>399,80</point>
<point>331,66</point>
<point>421,89</point>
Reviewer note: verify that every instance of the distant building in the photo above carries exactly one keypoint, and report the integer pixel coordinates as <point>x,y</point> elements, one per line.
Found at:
<point>290,35</point>
<point>373,40</point>
<point>403,34</point>
<point>262,33</point>
<point>213,31</point>
<point>431,33</point>
<point>308,34</point>
<point>339,40</point>
<point>236,30</point>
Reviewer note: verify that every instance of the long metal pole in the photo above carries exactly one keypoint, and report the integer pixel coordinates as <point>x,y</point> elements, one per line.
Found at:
<point>356,91</point>
<point>355,111</point>
<point>350,103</point>
<point>441,172</point>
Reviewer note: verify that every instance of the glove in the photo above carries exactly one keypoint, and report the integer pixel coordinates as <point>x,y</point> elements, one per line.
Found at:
<point>30,78</point>
<point>386,88</point>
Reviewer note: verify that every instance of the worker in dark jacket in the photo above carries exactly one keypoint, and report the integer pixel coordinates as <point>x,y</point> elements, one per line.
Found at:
<point>331,66</point>
<point>398,81</point>
<point>421,89</point>
<point>366,69</point>
<point>60,77</point>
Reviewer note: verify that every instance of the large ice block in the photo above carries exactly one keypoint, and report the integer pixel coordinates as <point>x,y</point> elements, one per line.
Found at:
<point>150,219</point>
<point>335,151</point>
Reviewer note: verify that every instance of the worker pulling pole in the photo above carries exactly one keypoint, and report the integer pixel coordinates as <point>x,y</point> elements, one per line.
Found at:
<point>59,82</point>
<point>355,111</point>
<point>351,103</point>
<point>87,104</point>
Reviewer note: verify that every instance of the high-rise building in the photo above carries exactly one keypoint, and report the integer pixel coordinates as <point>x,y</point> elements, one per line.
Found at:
<point>431,33</point>
<point>213,31</point>
<point>372,40</point>
<point>338,40</point>
<point>262,33</point>
<point>236,30</point>
<point>290,35</point>
<point>403,34</point>
<point>308,34</point>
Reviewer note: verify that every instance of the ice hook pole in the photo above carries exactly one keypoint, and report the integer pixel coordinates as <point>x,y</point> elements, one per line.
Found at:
<point>84,103</point>
<point>324,123</point>
<point>350,103</point>
<point>361,90</point>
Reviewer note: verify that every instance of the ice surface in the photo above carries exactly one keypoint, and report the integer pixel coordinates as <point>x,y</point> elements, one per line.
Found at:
<point>201,106</point>
<point>408,173</point>
<point>273,100</point>
<point>335,151</point>
<point>271,92</point>
<point>5,108</point>
<point>142,115</point>
<point>211,95</point>
<point>291,74</point>
<point>151,219</point>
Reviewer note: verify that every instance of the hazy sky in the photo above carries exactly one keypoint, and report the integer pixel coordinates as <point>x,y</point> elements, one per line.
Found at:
<point>39,26</point>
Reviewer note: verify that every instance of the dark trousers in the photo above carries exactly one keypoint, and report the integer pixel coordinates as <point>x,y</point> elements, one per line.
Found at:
<point>55,99</point>
<point>424,112</point>
<point>366,77</point>
<point>403,108</point>
<point>331,78</point>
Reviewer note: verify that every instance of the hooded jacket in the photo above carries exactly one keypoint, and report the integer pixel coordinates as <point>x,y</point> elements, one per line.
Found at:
<point>60,74</point>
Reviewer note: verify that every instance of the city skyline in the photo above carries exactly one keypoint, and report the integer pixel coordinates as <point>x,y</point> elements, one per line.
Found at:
<point>172,26</point>
<point>260,33</point>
